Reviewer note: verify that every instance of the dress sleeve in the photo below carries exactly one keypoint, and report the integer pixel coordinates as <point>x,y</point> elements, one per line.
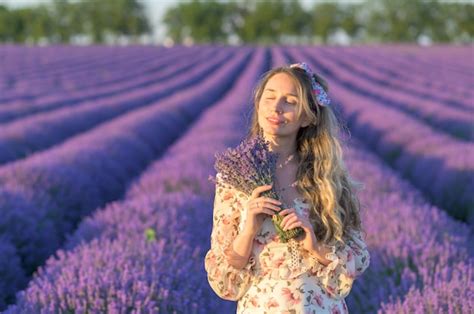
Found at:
<point>228,282</point>
<point>348,261</point>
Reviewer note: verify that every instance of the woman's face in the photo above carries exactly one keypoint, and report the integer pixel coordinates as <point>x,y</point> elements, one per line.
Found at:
<point>278,106</point>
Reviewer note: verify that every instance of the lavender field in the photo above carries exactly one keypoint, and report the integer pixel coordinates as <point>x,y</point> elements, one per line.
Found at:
<point>105,154</point>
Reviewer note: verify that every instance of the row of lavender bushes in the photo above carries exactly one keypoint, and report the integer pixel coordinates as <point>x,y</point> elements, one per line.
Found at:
<point>423,80</point>
<point>117,83</point>
<point>28,135</point>
<point>43,197</point>
<point>447,64</point>
<point>30,73</point>
<point>436,163</point>
<point>370,82</point>
<point>422,260</point>
<point>151,233</point>
<point>419,255</point>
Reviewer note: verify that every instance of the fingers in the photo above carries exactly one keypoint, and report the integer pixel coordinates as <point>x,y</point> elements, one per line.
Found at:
<point>268,211</point>
<point>287,211</point>
<point>258,206</point>
<point>293,225</point>
<point>270,200</point>
<point>273,207</point>
<point>289,220</point>
<point>256,192</point>
<point>265,202</point>
<point>292,220</point>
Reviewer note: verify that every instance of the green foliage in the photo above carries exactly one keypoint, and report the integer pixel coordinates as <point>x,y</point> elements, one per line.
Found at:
<point>242,21</point>
<point>406,20</point>
<point>59,21</point>
<point>150,234</point>
<point>118,17</point>
<point>326,18</point>
<point>268,22</point>
<point>201,20</point>
<point>16,25</point>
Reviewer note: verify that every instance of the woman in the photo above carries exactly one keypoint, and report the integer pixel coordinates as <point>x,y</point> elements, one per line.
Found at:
<point>314,272</point>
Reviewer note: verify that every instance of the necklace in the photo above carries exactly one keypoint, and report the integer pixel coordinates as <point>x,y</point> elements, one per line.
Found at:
<point>280,166</point>
<point>286,161</point>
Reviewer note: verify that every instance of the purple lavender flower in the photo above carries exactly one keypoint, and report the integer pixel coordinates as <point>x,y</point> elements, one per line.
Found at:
<point>250,165</point>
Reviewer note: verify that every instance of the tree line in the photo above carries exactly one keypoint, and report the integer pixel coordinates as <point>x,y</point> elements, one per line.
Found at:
<point>242,21</point>
<point>63,21</point>
<point>248,21</point>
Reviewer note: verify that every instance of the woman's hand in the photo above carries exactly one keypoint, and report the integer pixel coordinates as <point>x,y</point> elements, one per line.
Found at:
<point>258,208</point>
<point>291,220</point>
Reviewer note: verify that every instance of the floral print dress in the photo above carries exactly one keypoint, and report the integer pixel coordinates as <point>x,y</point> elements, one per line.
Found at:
<point>279,277</point>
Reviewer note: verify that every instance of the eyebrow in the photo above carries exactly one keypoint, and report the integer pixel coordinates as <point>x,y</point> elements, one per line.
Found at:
<point>272,90</point>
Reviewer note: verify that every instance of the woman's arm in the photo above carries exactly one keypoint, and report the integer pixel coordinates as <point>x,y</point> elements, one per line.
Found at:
<point>319,252</point>
<point>228,281</point>
<point>242,247</point>
<point>347,262</point>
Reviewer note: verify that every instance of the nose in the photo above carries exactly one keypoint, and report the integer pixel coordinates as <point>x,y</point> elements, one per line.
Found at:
<point>277,105</point>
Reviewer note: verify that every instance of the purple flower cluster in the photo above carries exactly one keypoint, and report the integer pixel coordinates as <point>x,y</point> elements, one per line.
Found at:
<point>454,289</point>
<point>414,245</point>
<point>98,72</point>
<point>414,73</point>
<point>248,166</point>
<point>14,277</point>
<point>42,130</point>
<point>395,93</point>
<point>133,273</point>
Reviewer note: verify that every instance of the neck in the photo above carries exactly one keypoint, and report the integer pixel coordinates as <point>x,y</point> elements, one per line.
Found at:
<point>284,146</point>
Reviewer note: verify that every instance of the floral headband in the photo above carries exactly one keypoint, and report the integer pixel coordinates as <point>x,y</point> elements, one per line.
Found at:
<point>318,91</point>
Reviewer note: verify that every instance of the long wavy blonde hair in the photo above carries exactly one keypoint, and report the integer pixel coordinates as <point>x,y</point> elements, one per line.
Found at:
<point>322,177</point>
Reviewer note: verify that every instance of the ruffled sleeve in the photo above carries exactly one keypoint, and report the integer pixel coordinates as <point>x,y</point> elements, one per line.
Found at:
<point>348,261</point>
<point>228,282</point>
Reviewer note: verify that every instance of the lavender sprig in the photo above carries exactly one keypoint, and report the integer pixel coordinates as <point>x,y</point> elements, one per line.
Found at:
<point>250,165</point>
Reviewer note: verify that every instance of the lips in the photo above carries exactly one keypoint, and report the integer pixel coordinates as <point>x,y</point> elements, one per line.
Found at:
<point>275,120</point>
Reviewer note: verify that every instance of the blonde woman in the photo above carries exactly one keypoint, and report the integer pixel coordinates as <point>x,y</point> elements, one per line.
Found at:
<point>314,272</point>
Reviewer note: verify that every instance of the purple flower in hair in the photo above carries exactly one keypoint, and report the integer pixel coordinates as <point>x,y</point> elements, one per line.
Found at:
<point>318,91</point>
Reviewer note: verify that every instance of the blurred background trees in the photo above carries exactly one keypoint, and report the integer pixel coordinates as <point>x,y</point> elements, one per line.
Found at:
<point>65,21</point>
<point>242,21</point>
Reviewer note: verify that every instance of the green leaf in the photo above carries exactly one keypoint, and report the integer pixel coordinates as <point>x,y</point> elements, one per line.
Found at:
<point>150,234</point>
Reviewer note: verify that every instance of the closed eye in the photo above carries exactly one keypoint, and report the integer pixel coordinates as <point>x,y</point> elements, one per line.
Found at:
<point>292,102</point>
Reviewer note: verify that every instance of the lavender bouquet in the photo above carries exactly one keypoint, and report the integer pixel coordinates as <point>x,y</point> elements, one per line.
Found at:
<point>249,165</point>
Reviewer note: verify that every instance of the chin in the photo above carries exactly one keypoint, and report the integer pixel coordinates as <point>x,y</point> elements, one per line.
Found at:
<point>272,132</point>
